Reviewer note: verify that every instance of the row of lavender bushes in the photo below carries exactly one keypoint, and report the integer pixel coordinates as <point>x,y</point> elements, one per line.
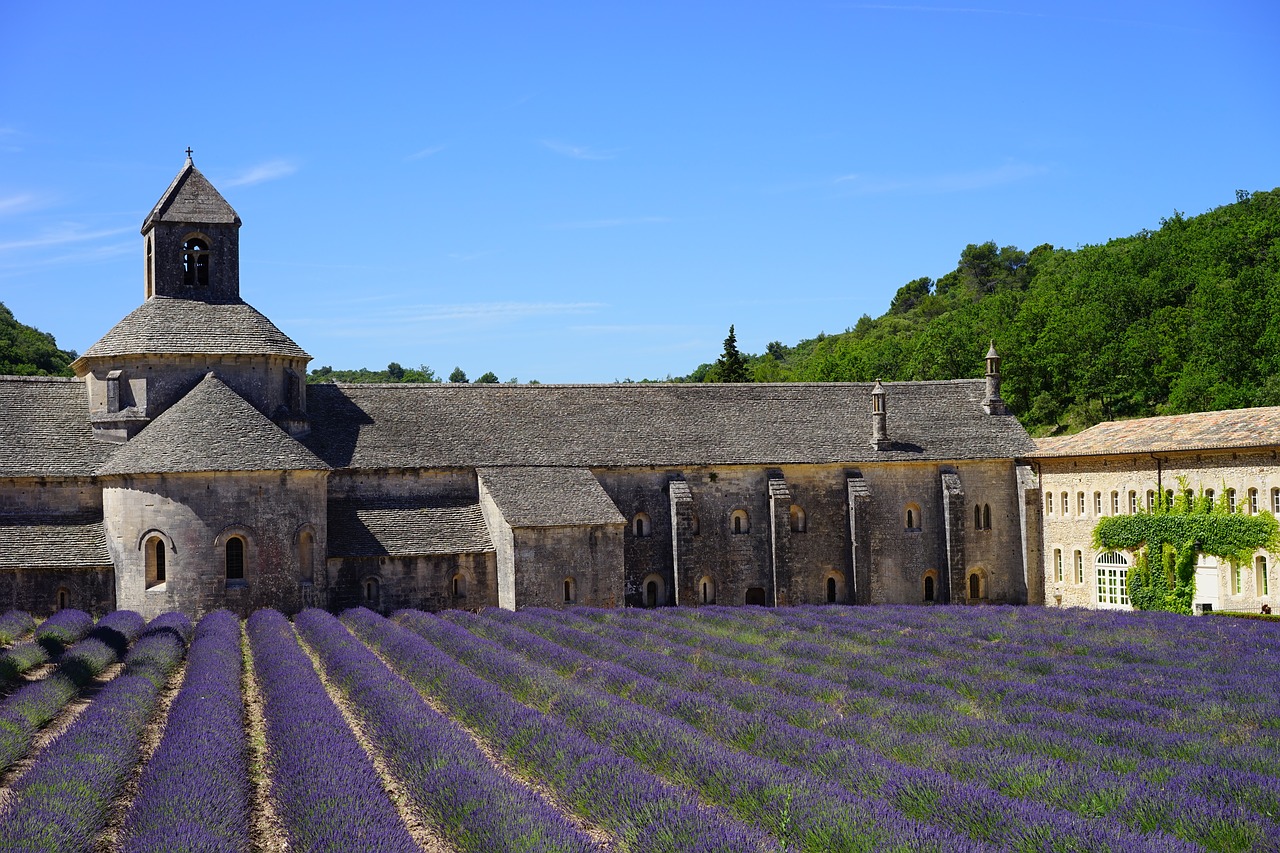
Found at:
<point>642,811</point>
<point>194,793</point>
<point>62,802</point>
<point>34,705</point>
<point>57,632</point>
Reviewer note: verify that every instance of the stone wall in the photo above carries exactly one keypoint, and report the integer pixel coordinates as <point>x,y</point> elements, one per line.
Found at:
<point>421,582</point>
<point>44,496</point>
<point>36,590</point>
<point>194,514</point>
<point>590,556</point>
<point>1097,478</point>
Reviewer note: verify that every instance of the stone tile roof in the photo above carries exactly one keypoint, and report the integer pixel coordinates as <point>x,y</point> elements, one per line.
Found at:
<point>549,497</point>
<point>44,429</point>
<point>405,528</point>
<point>191,198</point>
<point>456,425</point>
<point>53,542</point>
<point>165,325</point>
<point>212,428</point>
<point>1226,430</point>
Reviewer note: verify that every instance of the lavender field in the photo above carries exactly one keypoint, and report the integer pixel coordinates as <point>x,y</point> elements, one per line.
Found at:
<point>701,729</point>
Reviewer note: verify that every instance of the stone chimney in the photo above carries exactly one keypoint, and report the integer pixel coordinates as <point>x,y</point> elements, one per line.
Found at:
<point>992,403</point>
<point>879,423</point>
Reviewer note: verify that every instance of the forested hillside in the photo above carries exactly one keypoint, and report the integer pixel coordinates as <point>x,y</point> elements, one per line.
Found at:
<point>1184,318</point>
<point>25,351</point>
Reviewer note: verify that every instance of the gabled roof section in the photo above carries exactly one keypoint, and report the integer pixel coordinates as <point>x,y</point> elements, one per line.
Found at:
<point>405,527</point>
<point>456,425</point>
<point>167,326</point>
<point>549,497</point>
<point>1233,429</point>
<point>212,428</point>
<point>44,429</point>
<point>76,541</point>
<point>191,198</point>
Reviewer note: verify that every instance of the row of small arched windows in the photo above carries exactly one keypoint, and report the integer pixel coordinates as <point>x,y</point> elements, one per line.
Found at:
<point>234,555</point>
<point>1250,504</point>
<point>739,522</point>
<point>977,585</point>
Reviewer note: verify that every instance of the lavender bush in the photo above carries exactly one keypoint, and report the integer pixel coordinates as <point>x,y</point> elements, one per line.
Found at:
<point>32,707</point>
<point>642,811</point>
<point>15,624</point>
<point>62,802</point>
<point>452,785</point>
<point>324,787</point>
<point>194,793</point>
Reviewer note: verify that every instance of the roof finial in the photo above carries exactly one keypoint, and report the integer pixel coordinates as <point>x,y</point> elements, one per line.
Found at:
<point>188,153</point>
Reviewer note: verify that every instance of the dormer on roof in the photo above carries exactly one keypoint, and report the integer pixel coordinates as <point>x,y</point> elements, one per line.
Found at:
<point>191,240</point>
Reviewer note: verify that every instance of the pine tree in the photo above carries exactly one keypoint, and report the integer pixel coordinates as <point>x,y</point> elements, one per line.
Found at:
<point>730,366</point>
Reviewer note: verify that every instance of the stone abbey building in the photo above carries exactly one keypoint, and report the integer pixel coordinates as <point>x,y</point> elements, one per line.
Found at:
<point>189,466</point>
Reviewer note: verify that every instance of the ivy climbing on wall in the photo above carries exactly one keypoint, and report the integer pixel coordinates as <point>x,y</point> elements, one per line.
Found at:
<point>1171,536</point>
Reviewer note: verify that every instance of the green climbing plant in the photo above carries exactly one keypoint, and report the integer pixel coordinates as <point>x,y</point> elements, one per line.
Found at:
<point>1170,537</point>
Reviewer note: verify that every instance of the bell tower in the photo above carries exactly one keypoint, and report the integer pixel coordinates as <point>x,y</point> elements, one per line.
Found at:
<point>192,242</point>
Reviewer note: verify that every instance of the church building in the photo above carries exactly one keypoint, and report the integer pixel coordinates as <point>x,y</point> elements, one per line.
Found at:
<point>189,466</point>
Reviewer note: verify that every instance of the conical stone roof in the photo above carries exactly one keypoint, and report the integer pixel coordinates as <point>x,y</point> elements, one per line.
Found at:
<point>191,198</point>
<point>212,428</point>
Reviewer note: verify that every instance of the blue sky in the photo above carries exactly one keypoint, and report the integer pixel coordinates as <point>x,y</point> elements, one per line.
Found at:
<point>583,192</point>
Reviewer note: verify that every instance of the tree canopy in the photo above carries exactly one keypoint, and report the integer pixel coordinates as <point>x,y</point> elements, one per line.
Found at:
<point>26,351</point>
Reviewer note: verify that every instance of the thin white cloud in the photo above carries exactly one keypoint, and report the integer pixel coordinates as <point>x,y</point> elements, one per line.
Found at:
<point>269,171</point>
<point>610,223</point>
<point>580,152</point>
<point>948,182</point>
<point>60,237</point>
<point>425,152</point>
<point>15,203</point>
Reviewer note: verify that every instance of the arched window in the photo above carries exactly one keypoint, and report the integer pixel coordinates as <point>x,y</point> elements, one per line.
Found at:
<point>928,588</point>
<point>1151,500</point>
<point>1057,564</point>
<point>833,587</point>
<point>1112,569</point>
<point>740,522</point>
<point>570,590</point>
<point>1275,502</point>
<point>1260,576</point>
<point>1231,500</point>
<point>1168,497</point>
<point>641,525</point>
<point>195,262</point>
<point>235,558</point>
<point>1080,503</point>
<point>755,595</point>
<point>653,592</point>
<point>459,586</point>
<point>1237,582</point>
<point>706,590</point>
<point>1115,503</point>
<point>155,560</point>
<point>986,516</point>
<point>150,275</point>
<point>798,522</point>
<point>1048,503</point>
<point>1253,502</point>
<point>1079,567</point>
<point>1097,504</point>
<point>1066,504</point>
<point>64,598</point>
<point>370,590</point>
<point>306,556</point>
<point>1133,502</point>
<point>1208,495</point>
<point>977,517</point>
<point>975,586</point>
<point>831,590</point>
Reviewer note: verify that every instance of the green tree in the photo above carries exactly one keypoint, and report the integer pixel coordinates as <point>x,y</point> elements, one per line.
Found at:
<point>26,351</point>
<point>458,375</point>
<point>731,366</point>
<point>488,378</point>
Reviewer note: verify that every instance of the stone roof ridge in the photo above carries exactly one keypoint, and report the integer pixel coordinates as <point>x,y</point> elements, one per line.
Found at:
<point>4,377</point>
<point>1222,429</point>
<point>709,386</point>
<point>212,428</point>
<point>191,198</point>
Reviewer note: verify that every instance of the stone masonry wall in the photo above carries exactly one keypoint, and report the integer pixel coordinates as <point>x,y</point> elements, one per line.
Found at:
<point>1097,478</point>
<point>422,583</point>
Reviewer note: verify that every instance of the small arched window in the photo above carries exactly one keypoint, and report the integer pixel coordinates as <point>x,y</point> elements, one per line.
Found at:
<point>740,522</point>
<point>1231,500</point>
<point>150,275</point>
<point>1079,567</point>
<point>928,588</point>
<point>799,524</point>
<point>1115,503</point>
<point>831,590</point>
<point>1252,506</point>
<point>1275,502</point>
<point>975,586</point>
<point>1260,576</point>
<point>1209,495</point>
<point>641,525</point>
<point>155,560</point>
<point>651,594</point>
<point>459,586</point>
<point>1057,564</point>
<point>570,590</point>
<point>371,590</point>
<point>195,262</point>
<point>306,557</point>
<point>977,517</point>
<point>64,598</point>
<point>235,559</point>
<point>1080,502</point>
<point>1048,503</point>
<point>1097,504</point>
<point>1066,504</point>
<point>1133,502</point>
<point>706,590</point>
<point>986,516</point>
<point>833,587</point>
<point>1151,500</point>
